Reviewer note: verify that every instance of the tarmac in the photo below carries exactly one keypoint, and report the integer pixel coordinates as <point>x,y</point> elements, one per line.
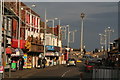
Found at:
<point>25,72</point>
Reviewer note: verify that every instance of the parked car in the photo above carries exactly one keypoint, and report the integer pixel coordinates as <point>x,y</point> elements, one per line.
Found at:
<point>71,62</point>
<point>89,66</point>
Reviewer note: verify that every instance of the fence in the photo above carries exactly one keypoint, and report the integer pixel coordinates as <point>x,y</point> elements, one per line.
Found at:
<point>106,73</point>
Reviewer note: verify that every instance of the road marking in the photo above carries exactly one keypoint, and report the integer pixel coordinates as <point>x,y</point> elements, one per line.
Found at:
<point>67,72</point>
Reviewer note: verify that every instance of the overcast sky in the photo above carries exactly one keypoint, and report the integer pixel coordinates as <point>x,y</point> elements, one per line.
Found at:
<point>98,16</point>
<point>70,0</point>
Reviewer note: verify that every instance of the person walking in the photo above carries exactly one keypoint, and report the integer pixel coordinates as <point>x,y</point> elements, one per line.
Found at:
<point>40,62</point>
<point>21,63</point>
<point>44,61</point>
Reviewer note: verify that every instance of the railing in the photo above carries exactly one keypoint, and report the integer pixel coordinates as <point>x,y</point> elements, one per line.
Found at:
<point>104,72</point>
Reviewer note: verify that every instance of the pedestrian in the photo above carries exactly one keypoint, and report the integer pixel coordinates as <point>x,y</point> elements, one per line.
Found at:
<point>40,62</point>
<point>50,62</point>
<point>44,61</point>
<point>21,63</point>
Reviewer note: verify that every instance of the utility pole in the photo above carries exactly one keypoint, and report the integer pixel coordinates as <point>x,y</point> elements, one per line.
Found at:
<point>5,27</point>
<point>73,36</point>
<point>68,37</point>
<point>59,33</point>
<point>53,31</point>
<point>45,35</point>
<point>108,33</point>
<point>19,24</point>
<point>103,41</point>
<point>58,30</point>
<point>1,20</point>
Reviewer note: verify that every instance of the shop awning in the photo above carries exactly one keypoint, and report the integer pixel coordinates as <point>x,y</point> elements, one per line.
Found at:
<point>9,50</point>
<point>52,54</point>
<point>18,52</point>
<point>49,54</point>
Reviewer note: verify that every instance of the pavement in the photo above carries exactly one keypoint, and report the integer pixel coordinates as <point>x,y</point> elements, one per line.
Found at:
<point>58,72</point>
<point>26,72</point>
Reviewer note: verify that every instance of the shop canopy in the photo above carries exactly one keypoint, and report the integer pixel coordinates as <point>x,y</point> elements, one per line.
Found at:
<point>52,54</point>
<point>18,52</point>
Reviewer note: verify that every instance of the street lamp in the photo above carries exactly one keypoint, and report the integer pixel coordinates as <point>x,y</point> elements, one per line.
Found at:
<point>68,36</point>
<point>58,31</point>
<point>53,21</point>
<point>52,29</point>
<point>108,31</point>
<point>45,27</point>
<point>61,28</point>
<point>103,41</point>
<point>82,17</point>
<point>66,26</point>
<point>73,33</point>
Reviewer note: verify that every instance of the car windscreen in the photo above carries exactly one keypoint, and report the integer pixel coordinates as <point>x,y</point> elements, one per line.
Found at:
<point>71,60</point>
<point>91,63</point>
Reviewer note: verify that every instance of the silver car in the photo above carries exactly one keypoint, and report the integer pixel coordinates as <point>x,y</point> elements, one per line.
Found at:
<point>71,62</point>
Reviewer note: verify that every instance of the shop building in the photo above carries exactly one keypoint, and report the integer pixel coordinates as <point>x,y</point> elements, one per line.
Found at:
<point>115,48</point>
<point>52,55</point>
<point>18,26</point>
<point>23,36</point>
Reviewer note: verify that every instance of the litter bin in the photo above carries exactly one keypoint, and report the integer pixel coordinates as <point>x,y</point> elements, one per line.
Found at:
<point>13,66</point>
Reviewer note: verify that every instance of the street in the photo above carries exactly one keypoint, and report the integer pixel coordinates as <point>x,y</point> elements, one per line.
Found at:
<point>74,41</point>
<point>58,71</point>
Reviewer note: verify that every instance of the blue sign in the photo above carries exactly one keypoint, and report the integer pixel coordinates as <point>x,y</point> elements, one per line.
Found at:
<point>50,48</point>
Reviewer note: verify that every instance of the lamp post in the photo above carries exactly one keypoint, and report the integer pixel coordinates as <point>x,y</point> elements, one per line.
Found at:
<point>71,41</point>
<point>53,25</point>
<point>73,33</point>
<point>68,36</point>
<point>103,41</point>
<point>45,27</point>
<point>68,40</point>
<point>58,31</point>
<point>52,29</point>
<point>68,49</point>
<point>61,28</point>
<point>108,31</point>
<point>82,17</point>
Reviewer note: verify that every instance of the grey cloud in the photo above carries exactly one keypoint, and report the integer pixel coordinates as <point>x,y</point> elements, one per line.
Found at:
<point>70,0</point>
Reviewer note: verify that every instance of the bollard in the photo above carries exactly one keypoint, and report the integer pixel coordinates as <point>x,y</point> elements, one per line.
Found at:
<point>81,76</point>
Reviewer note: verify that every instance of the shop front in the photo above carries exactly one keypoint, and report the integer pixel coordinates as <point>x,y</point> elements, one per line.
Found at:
<point>65,53</point>
<point>18,53</point>
<point>35,51</point>
<point>9,51</point>
<point>52,54</point>
<point>52,58</point>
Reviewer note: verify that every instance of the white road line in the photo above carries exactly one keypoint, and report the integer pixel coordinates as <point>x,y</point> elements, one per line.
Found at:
<point>66,72</point>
